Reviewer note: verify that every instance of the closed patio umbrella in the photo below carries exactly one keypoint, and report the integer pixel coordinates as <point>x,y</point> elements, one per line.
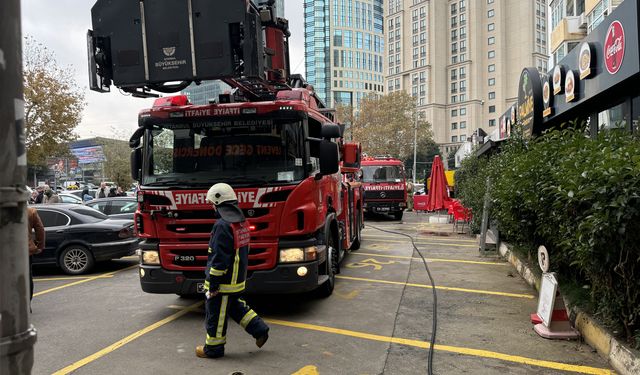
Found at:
<point>438,196</point>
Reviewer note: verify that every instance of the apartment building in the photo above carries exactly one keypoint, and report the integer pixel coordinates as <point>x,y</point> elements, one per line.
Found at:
<point>344,49</point>
<point>572,20</point>
<point>461,59</point>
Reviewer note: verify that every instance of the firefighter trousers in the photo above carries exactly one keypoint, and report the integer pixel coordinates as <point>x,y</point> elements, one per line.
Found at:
<point>217,308</point>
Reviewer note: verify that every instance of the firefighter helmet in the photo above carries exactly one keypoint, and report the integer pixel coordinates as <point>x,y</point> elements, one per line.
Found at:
<point>220,193</point>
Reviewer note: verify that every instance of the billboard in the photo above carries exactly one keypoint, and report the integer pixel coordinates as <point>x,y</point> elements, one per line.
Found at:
<point>89,155</point>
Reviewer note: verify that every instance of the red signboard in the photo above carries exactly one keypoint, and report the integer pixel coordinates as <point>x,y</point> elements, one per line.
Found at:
<point>614,47</point>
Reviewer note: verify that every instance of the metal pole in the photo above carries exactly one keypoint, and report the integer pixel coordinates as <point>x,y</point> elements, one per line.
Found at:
<point>484,226</point>
<point>415,148</point>
<point>17,335</point>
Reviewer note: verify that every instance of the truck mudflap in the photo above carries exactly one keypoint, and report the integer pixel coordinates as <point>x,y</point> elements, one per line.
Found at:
<point>283,279</point>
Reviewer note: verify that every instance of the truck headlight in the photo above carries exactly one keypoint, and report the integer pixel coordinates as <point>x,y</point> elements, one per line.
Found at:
<point>150,257</point>
<point>297,254</point>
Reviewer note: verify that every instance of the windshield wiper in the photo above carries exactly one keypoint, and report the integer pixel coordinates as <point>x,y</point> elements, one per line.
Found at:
<point>248,180</point>
<point>166,183</point>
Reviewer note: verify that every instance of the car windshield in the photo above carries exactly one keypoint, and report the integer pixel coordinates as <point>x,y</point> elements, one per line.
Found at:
<point>382,173</point>
<point>262,151</point>
<point>89,215</point>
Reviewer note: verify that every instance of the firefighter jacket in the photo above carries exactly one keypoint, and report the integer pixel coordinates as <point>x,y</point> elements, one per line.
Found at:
<point>228,257</point>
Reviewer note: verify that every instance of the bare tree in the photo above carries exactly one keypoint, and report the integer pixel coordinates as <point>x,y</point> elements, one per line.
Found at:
<point>385,125</point>
<point>53,104</point>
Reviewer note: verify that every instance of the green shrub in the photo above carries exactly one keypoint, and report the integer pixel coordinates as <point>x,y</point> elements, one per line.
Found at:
<point>578,196</point>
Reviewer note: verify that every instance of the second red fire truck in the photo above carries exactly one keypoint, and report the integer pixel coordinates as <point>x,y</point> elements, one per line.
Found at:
<point>385,186</point>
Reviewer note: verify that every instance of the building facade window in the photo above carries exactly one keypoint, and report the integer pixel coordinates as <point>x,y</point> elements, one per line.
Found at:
<point>492,109</point>
<point>491,26</point>
<point>492,122</point>
<point>490,13</point>
<point>492,95</point>
<point>454,125</point>
<point>492,81</point>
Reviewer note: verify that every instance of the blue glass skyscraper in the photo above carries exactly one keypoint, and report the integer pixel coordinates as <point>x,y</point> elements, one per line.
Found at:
<point>344,48</point>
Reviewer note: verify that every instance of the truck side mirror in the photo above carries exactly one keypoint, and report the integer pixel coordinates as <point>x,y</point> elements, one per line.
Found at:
<point>351,157</point>
<point>329,158</point>
<point>136,163</point>
<point>329,131</point>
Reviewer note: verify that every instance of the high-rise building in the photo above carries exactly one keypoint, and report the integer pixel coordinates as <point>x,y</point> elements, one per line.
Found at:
<point>344,49</point>
<point>462,59</point>
<point>205,92</point>
<point>572,20</point>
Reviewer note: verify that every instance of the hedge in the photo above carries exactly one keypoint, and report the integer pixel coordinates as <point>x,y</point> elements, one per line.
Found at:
<point>578,196</point>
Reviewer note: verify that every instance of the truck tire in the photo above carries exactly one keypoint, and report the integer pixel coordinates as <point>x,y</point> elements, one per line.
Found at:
<point>357,241</point>
<point>326,289</point>
<point>76,260</point>
<point>398,215</point>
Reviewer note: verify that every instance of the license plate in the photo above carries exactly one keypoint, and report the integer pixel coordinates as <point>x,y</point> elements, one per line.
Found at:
<point>383,209</point>
<point>200,287</point>
<point>184,258</point>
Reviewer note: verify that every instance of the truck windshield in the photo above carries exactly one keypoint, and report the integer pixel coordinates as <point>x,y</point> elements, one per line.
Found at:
<point>253,152</point>
<point>381,173</point>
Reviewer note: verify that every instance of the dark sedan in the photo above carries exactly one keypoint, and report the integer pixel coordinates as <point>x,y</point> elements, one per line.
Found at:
<point>115,207</point>
<point>77,237</point>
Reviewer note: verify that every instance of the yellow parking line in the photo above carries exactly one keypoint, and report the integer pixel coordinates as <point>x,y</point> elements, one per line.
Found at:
<point>426,345</point>
<point>476,291</point>
<point>446,348</point>
<point>433,259</point>
<point>91,278</point>
<point>419,242</point>
<point>117,345</point>
<point>417,237</point>
<point>70,278</point>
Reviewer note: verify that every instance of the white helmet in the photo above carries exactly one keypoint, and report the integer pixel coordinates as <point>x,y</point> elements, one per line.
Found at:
<point>220,193</point>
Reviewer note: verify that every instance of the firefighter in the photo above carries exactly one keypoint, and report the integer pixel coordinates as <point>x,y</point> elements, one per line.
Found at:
<point>225,275</point>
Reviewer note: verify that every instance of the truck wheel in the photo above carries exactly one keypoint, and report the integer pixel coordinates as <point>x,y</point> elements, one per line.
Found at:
<point>326,289</point>
<point>76,260</point>
<point>356,242</point>
<point>398,215</point>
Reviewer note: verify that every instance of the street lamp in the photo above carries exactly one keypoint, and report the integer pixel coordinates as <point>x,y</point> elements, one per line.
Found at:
<point>415,147</point>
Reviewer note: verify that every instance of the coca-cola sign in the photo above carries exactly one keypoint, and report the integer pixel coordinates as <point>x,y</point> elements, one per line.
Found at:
<point>614,47</point>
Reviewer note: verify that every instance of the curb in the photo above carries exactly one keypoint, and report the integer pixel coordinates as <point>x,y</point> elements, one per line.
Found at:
<point>621,358</point>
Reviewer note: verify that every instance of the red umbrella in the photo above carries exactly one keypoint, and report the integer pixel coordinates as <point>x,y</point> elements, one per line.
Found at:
<point>438,196</point>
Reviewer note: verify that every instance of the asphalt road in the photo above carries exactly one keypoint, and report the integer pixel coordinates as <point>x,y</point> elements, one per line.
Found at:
<point>377,321</point>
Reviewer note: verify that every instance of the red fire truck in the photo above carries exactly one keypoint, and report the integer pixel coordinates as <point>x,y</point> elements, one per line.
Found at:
<point>385,186</point>
<point>271,139</point>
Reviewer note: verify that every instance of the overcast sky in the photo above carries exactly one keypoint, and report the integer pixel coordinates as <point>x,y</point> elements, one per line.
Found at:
<point>62,25</point>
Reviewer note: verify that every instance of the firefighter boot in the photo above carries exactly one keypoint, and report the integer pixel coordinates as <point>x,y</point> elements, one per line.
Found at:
<point>200,352</point>
<point>259,330</point>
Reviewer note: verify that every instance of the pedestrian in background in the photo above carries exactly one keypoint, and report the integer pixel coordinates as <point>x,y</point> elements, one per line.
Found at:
<point>112,192</point>
<point>225,275</point>
<point>103,190</point>
<point>121,192</point>
<point>34,197</point>
<point>36,239</point>
<point>86,197</point>
<point>50,196</point>
<point>409,196</point>
<point>40,190</point>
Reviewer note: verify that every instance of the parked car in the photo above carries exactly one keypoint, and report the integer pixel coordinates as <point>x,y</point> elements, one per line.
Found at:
<point>70,198</point>
<point>78,193</point>
<point>115,207</point>
<point>77,237</point>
